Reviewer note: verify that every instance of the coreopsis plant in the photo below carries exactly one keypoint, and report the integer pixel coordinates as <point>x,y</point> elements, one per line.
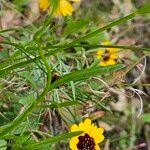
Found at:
<point>46,79</point>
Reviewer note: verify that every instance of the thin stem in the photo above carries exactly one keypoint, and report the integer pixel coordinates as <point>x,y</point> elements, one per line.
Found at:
<point>48,68</point>
<point>133,65</point>
<point>97,46</point>
<point>109,26</point>
<point>128,84</point>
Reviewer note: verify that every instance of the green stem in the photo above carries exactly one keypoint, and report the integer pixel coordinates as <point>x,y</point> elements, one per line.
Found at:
<point>48,68</point>
<point>9,127</point>
<point>80,45</point>
<point>109,26</point>
<point>97,46</point>
<point>133,65</point>
<point>129,84</point>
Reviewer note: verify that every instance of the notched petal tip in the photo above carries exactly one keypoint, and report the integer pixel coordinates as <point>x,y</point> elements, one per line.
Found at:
<point>100,130</point>
<point>87,121</point>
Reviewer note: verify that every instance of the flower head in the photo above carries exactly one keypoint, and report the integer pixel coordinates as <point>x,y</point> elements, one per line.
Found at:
<point>109,56</point>
<point>89,140</point>
<point>63,8</point>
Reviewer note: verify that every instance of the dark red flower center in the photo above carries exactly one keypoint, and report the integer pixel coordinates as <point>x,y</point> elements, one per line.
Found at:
<point>106,55</point>
<point>86,143</point>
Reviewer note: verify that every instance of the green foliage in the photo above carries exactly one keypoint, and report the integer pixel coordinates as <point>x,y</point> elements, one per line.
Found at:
<point>52,140</point>
<point>20,4</point>
<point>84,74</point>
<point>27,100</point>
<point>75,27</point>
<point>51,71</point>
<point>3,145</point>
<point>146,118</point>
<point>145,9</point>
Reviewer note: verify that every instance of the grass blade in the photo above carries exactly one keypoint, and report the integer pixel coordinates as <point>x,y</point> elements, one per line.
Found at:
<point>84,74</point>
<point>49,141</point>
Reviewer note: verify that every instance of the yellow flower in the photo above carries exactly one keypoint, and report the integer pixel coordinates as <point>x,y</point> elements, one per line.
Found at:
<point>90,139</point>
<point>44,4</point>
<point>63,8</point>
<point>109,56</point>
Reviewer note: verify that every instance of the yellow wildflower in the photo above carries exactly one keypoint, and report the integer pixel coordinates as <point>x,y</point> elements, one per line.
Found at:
<point>108,56</point>
<point>90,139</point>
<point>63,8</point>
<point>44,4</point>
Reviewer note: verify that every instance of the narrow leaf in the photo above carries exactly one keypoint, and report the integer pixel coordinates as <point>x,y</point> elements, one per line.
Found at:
<point>144,10</point>
<point>84,74</point>
<point>60,105</point>
<point>64,136</point>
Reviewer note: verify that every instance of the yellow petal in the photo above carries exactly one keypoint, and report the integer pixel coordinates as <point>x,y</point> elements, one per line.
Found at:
<point>81,126</point>
<point>110,62</point>
<point>112,50</point>
<point>74,128</point>
<point>64,8</point>
<point>97,135</point>
<point>103,63</point>
<point>87,122</point>
<point>44,4</point>
<point>73,143</point>
<point>86,126</point>
<point>114,55</point>
<point>97,147</point>
<point>99,53</point>
<point>106,43</point>
<point>100,130</point>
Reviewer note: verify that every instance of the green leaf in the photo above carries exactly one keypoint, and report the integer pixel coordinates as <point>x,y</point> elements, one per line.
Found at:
<point>84,74</point>
<point>21,2</point>
<point>100,30</point>
<point>3,144</point>
<point>4,54</point>
<point>144,10</point>
<point>146,117</point>
<point>9,60</point>
<point>75,26</point>
<point>73,90</point>
<point>27,100</point>
<point>49,141</point>
<point>97,38</point>
<point>60,105</point>
<point>93,47</point>
<point>29,78</point>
